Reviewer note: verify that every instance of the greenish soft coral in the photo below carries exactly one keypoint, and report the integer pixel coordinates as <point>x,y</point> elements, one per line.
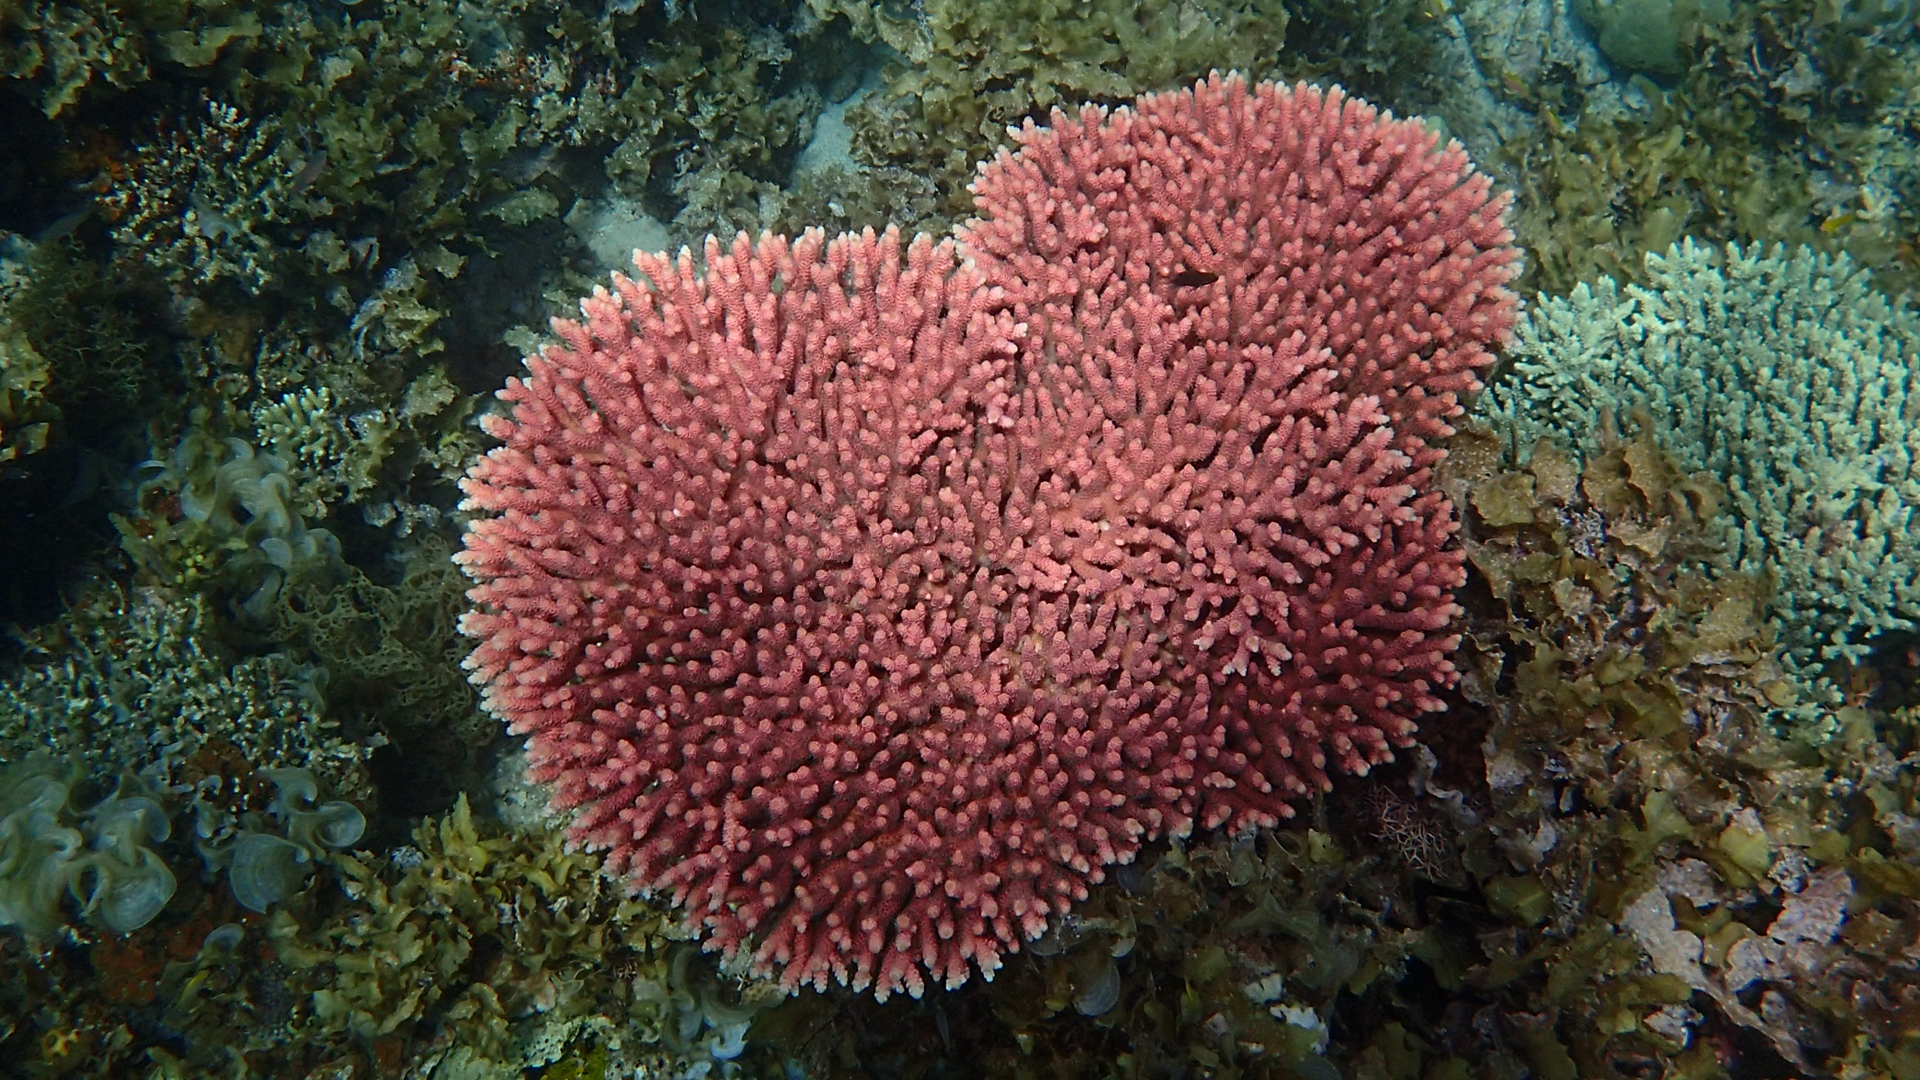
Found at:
<point>1784,373</point>
<point>100,858</point>
<point>269,856</point>
<point>218,514</point>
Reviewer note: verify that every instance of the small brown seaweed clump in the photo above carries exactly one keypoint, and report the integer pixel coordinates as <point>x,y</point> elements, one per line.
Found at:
<point>1678,885</point>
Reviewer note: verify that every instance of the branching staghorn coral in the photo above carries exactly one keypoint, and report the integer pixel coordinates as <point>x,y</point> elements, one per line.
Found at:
<point>1785,374</point>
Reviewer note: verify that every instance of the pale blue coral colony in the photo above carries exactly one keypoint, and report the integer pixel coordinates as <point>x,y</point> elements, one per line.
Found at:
<point>1783,373</point>
<point>176,734</point>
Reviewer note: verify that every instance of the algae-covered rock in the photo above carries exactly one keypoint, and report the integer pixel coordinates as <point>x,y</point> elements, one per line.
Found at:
<point>1740,141</point>
<point>1646,35</point>
<point>26,415</point>
<point>1656,851</point>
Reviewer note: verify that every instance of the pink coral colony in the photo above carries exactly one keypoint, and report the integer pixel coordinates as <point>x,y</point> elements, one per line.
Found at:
<point>869,598</point>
